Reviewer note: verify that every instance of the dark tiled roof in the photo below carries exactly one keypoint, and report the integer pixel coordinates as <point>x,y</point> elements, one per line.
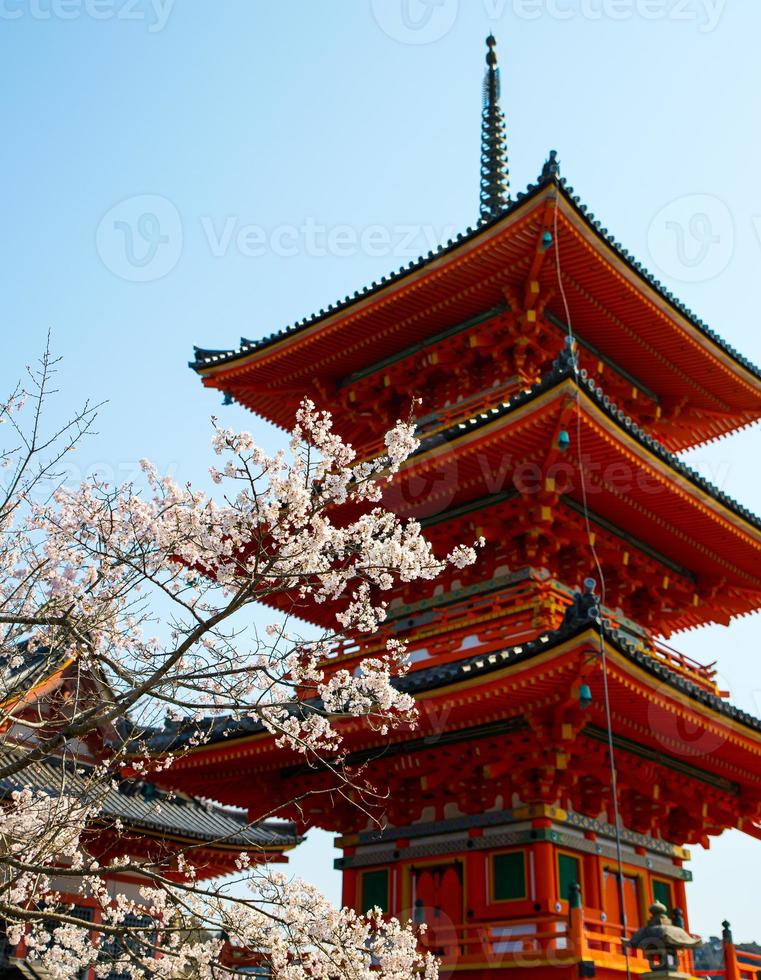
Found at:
<point>562,370</point>
<point>178,734</point>
<point>137,804</point>
<point>17,680</point>
<point>141,805</point>
<point>205,358</point>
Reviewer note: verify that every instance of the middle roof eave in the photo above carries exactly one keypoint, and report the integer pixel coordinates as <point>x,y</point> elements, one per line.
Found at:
<point>685,487</point>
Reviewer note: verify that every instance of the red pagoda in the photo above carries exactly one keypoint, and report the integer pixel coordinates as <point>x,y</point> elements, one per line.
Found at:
<point>566,757</point>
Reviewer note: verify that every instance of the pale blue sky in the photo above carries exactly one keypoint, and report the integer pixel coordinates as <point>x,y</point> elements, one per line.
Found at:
<point>299,150</point>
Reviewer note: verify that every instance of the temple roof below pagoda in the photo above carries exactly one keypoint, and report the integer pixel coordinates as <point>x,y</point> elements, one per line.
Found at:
<point>141,806</point>
<point>20,678</point>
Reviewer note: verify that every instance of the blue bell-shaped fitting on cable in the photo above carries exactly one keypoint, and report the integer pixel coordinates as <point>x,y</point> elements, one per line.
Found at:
<point>585,696</point>
<point>564,440</point>
<point>546,240</point>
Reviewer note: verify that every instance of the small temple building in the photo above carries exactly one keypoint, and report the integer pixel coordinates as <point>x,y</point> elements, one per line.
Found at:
<point>136,817</point>
<point>566,756</point>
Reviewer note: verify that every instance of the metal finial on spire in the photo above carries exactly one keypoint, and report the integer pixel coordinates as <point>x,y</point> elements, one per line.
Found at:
<point>551,167</point>
<point>491,54</point>
<point>495,184</point>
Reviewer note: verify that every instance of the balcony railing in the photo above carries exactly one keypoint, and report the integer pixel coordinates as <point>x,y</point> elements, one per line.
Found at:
<point>551,940</point>
<point>704,675</point>
<point>489,623</point>
<point>501,942</point>
<point>738,964</point>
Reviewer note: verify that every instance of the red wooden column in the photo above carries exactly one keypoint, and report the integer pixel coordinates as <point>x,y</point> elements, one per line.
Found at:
<point>680,895</point>
<point>476,879</point>
<point>544,868</point>
<point>577,939</point>
<point>349,896</point>
<point>592,896</point>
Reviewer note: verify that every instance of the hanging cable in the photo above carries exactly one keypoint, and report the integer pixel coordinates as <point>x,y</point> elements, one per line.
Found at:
<point>571,341</point>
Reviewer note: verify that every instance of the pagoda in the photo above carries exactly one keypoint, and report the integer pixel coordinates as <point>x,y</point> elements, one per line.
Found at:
<point>566,756</point>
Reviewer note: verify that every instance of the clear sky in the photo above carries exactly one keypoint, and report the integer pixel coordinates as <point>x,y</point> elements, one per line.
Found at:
<point>288,153</point>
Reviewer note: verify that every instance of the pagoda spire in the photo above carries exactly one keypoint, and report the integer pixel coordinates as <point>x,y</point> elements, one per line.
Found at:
<point>495,183</point>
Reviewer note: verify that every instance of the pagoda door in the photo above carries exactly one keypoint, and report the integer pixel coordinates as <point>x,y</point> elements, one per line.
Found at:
<point>437,897</point>
<point>612,900</point>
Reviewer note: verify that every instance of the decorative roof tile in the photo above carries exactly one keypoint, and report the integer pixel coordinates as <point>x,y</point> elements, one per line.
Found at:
<point>20,673</point>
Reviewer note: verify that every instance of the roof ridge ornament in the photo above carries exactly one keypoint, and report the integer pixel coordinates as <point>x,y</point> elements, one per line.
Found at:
<point>551,167</point>
<point>495,181</point>
<point>584,608</point>
<point>567,360</point>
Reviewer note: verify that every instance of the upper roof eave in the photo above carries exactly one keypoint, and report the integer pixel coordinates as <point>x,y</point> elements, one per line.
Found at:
<point>218,359</point>
<point>209,362</point>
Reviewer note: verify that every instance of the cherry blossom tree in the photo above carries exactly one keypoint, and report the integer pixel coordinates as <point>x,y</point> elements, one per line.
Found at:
<point>146,594</point>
